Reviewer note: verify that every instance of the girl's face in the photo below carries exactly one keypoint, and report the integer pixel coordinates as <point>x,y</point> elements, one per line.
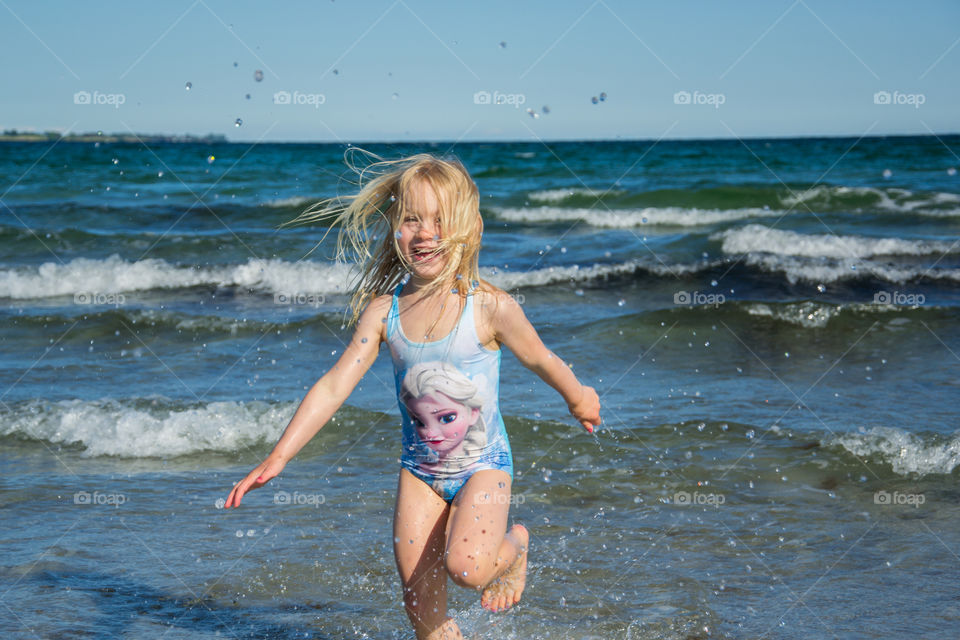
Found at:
<point>440,422</point>
<point>420,231</point>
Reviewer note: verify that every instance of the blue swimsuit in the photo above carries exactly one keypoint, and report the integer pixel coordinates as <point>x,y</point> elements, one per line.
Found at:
<point>448,393</point>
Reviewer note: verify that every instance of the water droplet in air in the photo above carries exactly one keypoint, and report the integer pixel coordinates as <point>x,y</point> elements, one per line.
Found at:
<point>545,109</point>
<point>237,122</point>
<point>887,173</point>
<point>621,302</point>
<point>336,72</point>
<point>503,45</point>
<point>248,96</point>
<point>188,86</point>
<point>713,283</point>
<point>159,174</point>
<point>258,75</point>
<point>116,161</point>
<point>603,96</point>
<point>750,434</point>
<point>951,171</point>
<point>210,159</point>
<point>363,340</point>
<point>594,100</point>
<point>395,95</point>
<point>821,288</point>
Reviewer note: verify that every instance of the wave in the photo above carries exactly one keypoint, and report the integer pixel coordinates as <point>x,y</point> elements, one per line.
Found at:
<point>838,198</point>
<point>145,428</point>
<point>115,275</point>
<point>792,199</point>
<point>907,453</point>
<point>622,218</point>
<point>758,238</point>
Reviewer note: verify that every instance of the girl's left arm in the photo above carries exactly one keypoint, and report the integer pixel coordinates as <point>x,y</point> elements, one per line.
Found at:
<point>511,328</point>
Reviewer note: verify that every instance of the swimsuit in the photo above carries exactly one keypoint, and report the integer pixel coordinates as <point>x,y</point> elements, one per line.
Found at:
<point>448,393</point>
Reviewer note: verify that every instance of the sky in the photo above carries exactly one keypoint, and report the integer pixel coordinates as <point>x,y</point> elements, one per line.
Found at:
<point>409,70</point>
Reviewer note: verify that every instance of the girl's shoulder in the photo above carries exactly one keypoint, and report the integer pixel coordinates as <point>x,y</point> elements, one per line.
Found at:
<point>493,301</point>
<point>374,315</point>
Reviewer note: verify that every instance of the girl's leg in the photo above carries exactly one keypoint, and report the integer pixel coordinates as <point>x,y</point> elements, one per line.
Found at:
<point>419,523</point>
<point>480,552</point>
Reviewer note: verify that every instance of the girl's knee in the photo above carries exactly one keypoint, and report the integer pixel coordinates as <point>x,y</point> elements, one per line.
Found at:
<point>466,569</point>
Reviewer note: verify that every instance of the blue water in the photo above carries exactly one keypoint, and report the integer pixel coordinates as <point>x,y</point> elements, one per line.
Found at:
<point>772,326</point>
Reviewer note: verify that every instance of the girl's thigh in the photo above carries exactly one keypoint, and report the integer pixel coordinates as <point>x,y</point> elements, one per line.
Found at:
<point>419,529</point>
<point>478,518</point>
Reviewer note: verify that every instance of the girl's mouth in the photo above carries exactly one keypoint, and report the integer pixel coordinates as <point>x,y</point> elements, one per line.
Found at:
<point>423,255</point>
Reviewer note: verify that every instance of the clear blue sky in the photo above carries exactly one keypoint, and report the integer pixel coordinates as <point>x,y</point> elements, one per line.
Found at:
<point>410,69</point>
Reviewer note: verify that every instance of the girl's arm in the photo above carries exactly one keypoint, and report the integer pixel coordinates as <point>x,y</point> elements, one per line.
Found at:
<point>323,399</point>
<point>511,328</point>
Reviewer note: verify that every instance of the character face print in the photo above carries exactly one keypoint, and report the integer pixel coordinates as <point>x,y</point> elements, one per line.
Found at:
<point>441,422</point>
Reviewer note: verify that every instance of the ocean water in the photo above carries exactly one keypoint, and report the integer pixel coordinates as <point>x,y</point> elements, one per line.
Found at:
<point>772,326</point>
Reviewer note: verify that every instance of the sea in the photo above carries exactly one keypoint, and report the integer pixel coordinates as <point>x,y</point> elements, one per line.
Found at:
<point>772,325</point>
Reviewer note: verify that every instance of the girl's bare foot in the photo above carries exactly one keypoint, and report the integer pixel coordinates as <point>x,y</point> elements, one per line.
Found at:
<point>505,591</point>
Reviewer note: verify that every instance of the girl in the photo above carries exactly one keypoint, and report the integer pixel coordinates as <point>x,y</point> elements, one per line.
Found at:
<point>414,229</point>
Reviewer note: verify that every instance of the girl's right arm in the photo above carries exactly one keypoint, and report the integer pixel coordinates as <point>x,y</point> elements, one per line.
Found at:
<point>323,399</point>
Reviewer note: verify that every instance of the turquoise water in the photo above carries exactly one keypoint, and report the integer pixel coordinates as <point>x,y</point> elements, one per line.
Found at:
<point>772,326</point>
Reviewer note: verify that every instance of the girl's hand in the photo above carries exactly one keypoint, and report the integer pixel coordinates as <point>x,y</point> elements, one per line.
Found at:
<point>587,409</point>
<point>269,468</point>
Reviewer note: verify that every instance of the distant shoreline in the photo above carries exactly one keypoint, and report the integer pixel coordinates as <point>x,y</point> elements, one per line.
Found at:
<point>110,138</point>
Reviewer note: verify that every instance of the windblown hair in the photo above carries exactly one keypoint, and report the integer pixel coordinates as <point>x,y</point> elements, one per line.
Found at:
<point>369,222</point>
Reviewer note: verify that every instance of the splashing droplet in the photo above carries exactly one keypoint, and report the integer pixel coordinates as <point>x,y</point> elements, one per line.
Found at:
<point>503,45</point>
<point>210,159</point>
<point>188,86</point>
<point>594,100</point>
<point>237,122</point>
<point>258,75</point>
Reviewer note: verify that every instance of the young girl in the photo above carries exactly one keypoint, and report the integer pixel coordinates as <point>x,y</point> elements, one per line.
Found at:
<point>415,231</point>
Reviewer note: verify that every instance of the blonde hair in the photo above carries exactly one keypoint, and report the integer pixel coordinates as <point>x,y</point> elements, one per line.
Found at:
<point>370,220</point>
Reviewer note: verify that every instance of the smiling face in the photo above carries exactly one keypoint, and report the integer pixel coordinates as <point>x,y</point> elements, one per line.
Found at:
<point>440,422</point>
<point>419,233</point>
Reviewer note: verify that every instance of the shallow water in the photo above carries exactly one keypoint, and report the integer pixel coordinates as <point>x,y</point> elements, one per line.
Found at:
<point>777,364</point>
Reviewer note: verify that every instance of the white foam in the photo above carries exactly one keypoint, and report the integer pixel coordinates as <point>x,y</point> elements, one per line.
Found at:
<point>559,195</point>
<point>756,238</point>
<point>114,428</point>
<point>823,270</point>
<point>907,453</point>
<point>292,201</point>
<point>578,273</point>
<point>115,275</point>
<point>622,218</point>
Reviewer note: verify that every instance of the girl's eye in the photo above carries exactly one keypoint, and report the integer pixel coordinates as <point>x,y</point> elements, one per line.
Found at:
<point>447,418</point>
